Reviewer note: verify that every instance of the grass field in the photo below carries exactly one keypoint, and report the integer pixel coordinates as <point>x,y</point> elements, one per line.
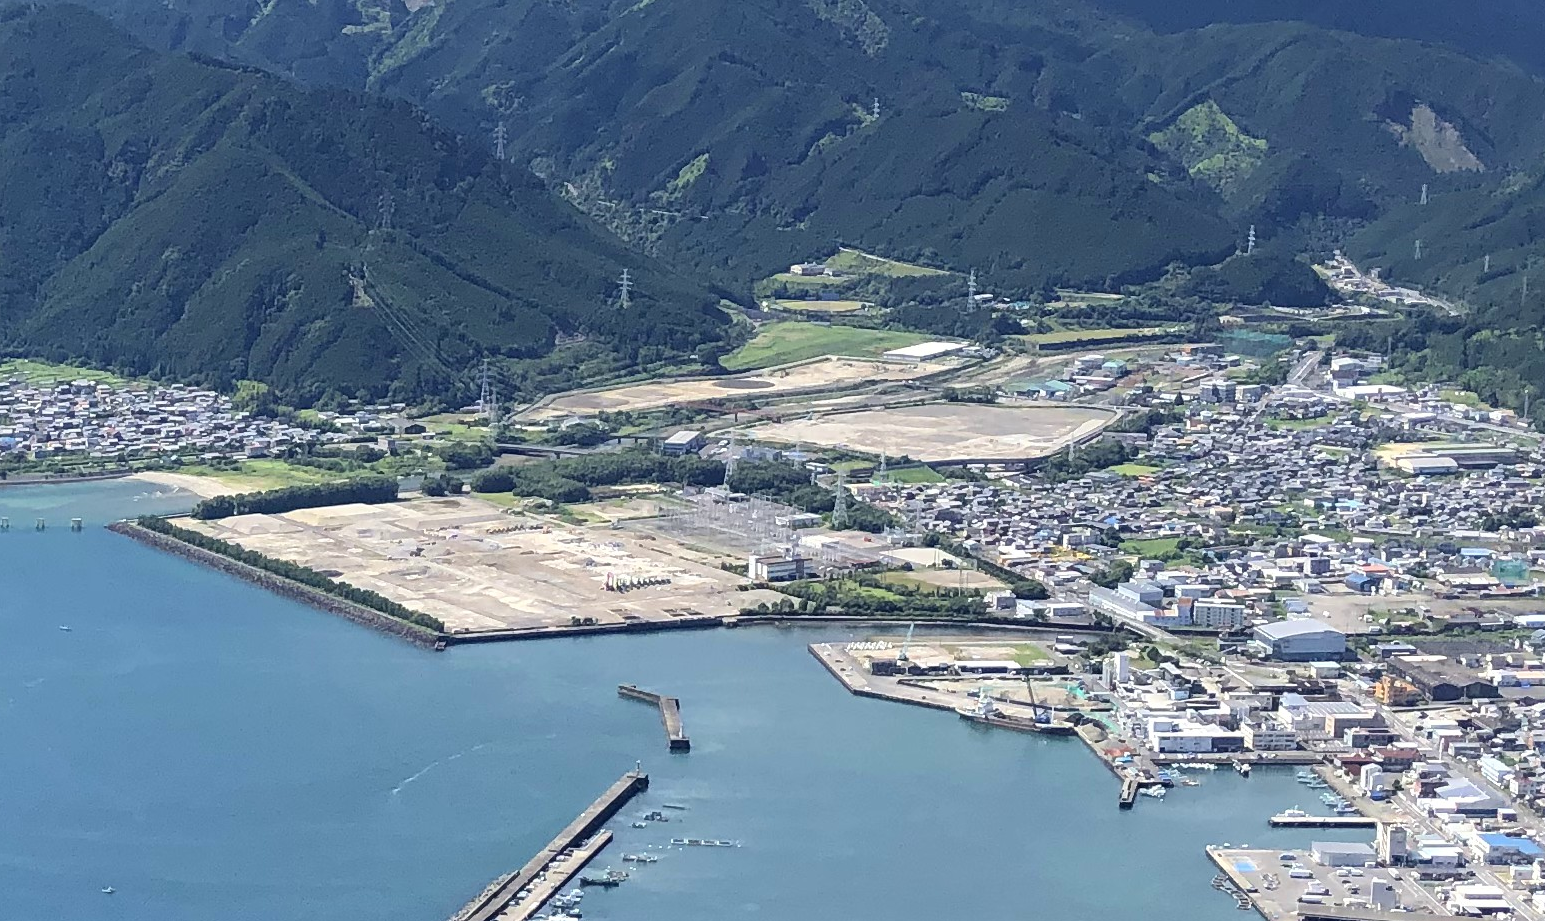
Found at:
<point>791,340</point>
<point>824,306</point>
<point>1153,546</point>
<point>1134,469</point>
<point>263,473</point>
<point>1298,424</point>
<point>856,262</point>
<point>457,427</point>
<point>1090,335</point>
<point>47,374</point>
<point>914,475</point>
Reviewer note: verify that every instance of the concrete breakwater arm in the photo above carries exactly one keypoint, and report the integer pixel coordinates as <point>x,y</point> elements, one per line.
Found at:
<point>279,585</point>
<point>563,857</point>
<point>670,714</point>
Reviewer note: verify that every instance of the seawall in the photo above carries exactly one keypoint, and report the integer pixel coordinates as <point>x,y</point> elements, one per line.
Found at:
<point>279,585</point>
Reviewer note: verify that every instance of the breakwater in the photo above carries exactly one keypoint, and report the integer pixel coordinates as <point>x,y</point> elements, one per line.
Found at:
<point>670,714</point>
<point>287,588</point>
<point>520,894</point>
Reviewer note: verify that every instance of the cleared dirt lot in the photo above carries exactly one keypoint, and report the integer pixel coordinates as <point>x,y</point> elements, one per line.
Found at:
<point>478,570</point>
<point>944,431</point>
<point>815,375</point>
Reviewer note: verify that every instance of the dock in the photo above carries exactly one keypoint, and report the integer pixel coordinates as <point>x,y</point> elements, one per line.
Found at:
<point>1322,821</point>
<point>517,896</point>
<point>1128,793</point>
<point>670,714</point>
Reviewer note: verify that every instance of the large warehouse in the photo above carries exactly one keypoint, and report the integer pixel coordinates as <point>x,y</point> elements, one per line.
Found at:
<point>1300,641</point>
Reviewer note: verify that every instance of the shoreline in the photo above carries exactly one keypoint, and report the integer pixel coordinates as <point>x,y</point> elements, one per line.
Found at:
<point>205,487</point>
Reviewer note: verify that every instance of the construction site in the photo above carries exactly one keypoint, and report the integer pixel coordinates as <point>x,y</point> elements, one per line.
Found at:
<point>943,432</point>
<point>814,376</point>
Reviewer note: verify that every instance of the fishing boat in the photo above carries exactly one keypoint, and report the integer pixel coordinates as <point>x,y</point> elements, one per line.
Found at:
<point>64,628</point>
<point>1155,792</point>
<point>607,880</point>
<point>1294,813</point>
<point>108,890</point>
<point>1188,782</point>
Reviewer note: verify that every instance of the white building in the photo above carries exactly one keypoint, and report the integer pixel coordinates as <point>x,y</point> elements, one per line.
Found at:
<point>1176,736</point>
<point>1265,737</point>
<point>1299,641</point>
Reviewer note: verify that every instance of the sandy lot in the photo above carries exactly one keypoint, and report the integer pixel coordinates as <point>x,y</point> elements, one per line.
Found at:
<point>479,569</point>
<point>829,372</point>
<point>944,431</point>
<point>202,486</point>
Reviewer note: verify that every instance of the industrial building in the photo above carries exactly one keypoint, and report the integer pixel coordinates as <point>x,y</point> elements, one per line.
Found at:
<point>778,567</point>
<point>1341,853</point>
<point>683,442</point>
<point>1299,641</point>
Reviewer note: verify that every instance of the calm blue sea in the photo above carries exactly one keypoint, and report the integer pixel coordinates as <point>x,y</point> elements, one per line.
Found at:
<point>214,752</point>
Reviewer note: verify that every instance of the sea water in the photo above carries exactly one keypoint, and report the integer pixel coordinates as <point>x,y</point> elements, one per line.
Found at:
<point>215,752</point>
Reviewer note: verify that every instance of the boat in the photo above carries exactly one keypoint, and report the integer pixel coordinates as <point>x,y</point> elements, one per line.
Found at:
<point>656,816</point>
<point>640,824</point>
<point>106,890</point>
<point>607,880</point>
<point>1188,782</point>
<point>1294,813</point>
<point>1306,776</point>
<point>1243,767</point>
<point>673,806</point>
<point>64,628</point>
<point>1155,792</point>
<point>704,842</point>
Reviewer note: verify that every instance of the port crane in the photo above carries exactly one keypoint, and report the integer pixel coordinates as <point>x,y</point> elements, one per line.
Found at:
<point>1039,713</point>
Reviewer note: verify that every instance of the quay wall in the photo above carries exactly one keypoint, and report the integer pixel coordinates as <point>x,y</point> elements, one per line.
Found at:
<point>492,902</point>
<point>670,714</point>
<point>279,585</point>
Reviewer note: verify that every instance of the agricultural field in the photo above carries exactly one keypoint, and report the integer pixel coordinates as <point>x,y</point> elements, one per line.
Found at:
<point>857,262</point>
<point>1152,547</point>
<point>1092,336</point>
<point>789,341</point>
<point>48,374</point>
<point>823,306</point>
<point>922,474</point>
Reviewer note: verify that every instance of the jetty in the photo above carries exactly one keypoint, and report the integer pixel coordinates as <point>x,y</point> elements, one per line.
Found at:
<point>670,714</point>
<point>519,895</point>
<point>1322,821</point>
<point>1129,789</point>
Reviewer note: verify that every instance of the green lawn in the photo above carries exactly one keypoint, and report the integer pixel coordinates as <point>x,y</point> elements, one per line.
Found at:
<point>1152,547</point>
<point>920,474</point>
<point>1134,469</point>
<point>856,262</point>
<point>787,341</point>
<point>47,374</point>
<point>823,306</point>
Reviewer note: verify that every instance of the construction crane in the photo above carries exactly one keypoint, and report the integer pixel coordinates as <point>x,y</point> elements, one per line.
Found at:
<point>901,657</point>
<point>1039,712</point>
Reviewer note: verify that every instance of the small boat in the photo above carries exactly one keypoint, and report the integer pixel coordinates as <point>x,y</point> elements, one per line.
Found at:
<point>64,628</point>
<point>1155,792</point>
<point>673,806</point>
<point>1294,813</point>
<point>1188,782</point>
<point>640,824</point>
<point>107,890</point>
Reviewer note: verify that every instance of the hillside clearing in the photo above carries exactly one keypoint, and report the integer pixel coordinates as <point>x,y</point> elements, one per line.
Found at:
<point>791,340</point>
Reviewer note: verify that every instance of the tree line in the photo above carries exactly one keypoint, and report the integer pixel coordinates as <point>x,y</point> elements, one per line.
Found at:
<point>295,573</point>
<point>370,490</point>
<point>570,479</point>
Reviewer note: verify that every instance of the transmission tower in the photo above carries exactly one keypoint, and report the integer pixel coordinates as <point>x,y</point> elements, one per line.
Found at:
<point>1250,241</point>
<point>1418,251</point>
<point>1486,265</point>
<point>874,110</point>
<point>501,135</point>
<point>840,508</point>
<point>731,461</point>
<point>624,286</point>
<point>882,475</point>
<point>484,396</point>
<point>384,210</point>
<point>1424,193</point>
<point>971,290</point>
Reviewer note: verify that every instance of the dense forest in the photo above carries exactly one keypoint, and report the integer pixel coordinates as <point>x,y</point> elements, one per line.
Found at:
<point>189,219</point>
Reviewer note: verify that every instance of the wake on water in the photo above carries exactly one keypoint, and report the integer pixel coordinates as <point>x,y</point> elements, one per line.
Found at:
<point>436,763</point>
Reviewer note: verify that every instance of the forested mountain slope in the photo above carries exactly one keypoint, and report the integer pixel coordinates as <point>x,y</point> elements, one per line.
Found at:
<point>172,216</point>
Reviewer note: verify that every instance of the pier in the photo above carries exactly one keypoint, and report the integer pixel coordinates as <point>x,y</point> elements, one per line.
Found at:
<point>1322,821</point>
<point>517,896</point>
<point>670,714</point>
<point>1128,793</point>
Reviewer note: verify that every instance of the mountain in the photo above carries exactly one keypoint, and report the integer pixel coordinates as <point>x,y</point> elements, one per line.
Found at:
<point>201,220</point>
<point>1080,142</point>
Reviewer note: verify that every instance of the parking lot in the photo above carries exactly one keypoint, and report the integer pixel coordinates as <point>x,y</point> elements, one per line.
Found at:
<point>1277,882</point>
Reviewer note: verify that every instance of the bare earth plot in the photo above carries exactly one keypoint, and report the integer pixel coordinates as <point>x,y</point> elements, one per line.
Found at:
<point>815,375</point>
<point>458,559</point>
<point>944,431</point>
